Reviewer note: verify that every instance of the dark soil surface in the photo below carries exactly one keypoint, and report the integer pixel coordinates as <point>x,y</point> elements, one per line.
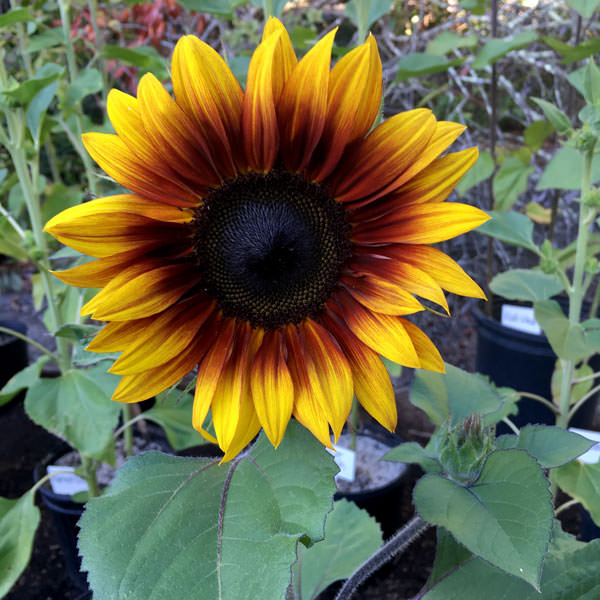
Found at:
<point>23,445</point>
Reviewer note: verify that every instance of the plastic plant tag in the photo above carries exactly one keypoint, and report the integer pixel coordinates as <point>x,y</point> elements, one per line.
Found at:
<point>520,318</point>
<point>592,456</point>
<point>345,459</point>
<point>66,484</point>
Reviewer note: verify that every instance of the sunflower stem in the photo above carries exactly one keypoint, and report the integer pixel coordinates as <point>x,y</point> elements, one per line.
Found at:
<point>27,339</point>
<point>63,7</point>
<point>354,423</point>
<point>587,215</point>
<point>395,545</point>
<point>128,431</point>
<point>88,468</point>
<point>99,42</point>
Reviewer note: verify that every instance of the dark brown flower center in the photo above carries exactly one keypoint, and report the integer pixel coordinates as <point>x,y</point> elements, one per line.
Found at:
<point>271,247</point>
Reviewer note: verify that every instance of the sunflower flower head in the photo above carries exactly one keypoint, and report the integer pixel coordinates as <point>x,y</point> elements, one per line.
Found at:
<point>270,239</point>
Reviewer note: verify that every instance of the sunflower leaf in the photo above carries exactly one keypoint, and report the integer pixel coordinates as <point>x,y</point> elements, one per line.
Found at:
<point>505,517</point>
<point>342,551</point>
<point>19,519</point>
<point>168,509</point>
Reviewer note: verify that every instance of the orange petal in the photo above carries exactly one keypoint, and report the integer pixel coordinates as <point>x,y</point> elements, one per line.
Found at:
<point>372,384</point>
<point>284,59</point>
<point>378,162</point>
<point>259,121</point>
<point>381,296</point>
<point>353,102</point>
<point>331,370</point>
<point>399,273</point>
<point>428,354</point>
<point>272,387</point>
<point>179,141</point>
<point>138,387</point>
<point>120,163</point>
<point>169,334</point>
<point>447,272</point>
<point>385,334</point>
<point>144,295</point>
<point>309,407</point>
<point>115,337</point>
<point>420,224</point>
<point>209,93</point>
<point>209,370</point>
<point>302,108</point>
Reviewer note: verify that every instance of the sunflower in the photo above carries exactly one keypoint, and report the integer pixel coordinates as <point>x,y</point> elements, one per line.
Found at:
<point>271,238</point>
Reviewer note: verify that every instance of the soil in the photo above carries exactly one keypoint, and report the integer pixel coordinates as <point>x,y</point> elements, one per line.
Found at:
<point>23,445</point>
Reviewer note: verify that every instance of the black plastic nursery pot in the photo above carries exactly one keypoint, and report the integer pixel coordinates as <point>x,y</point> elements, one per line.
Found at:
<point>13,351</point>
<point>524,362</point>
<point>382,503</point>
<point>65,515</point>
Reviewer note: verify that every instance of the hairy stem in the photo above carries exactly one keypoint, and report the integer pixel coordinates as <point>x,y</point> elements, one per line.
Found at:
<point>395,545</point>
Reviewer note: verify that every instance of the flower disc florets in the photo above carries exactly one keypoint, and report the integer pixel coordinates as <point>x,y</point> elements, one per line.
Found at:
<point>270,247</point>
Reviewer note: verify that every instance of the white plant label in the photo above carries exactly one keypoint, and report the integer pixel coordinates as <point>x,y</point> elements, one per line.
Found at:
<point>521,318</point>
<point>345,459</point>
<point>66,484</point>
<point>592,456</point>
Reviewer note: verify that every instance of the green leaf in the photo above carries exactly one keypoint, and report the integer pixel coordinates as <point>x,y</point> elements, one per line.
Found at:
<point>505,517</point>
<point>479,172</point>
<point>510,182</point>
<point>58,198</point>
<point>16,15</point>
<point>418,64</point>
<point>351,536</point>
<point>574,53</point>
<point>37,109</point>
<point>477,7</point>
<point>538,214</point>
<point>23,93</point>
<point>510,227</point>
<point>44,40</point>
<point>536,134</point>
<point>591,83</point>
<point>526,285</point>
<point>394,369</point>
<point>376,9</point>
<point>239,67</point>
<point>223,8</point>
<point>585,8</point>
<point>582,482</point>
<point>87,82</point>
<point>411,452</point>
<point>497,48</point>
<point>276,5</point>
<point>570,573</point>
<point>77,405</point>
<point>448,40</point>
<point>19,520</point>
<point>567,339</point>
<point>455,393</point>
<point>558,119</point>
<point>550,446</point>
<point>174,415</point>
<point>565,170</point>
<point>10,241</point>
<point>448,555</point>
<point>22,380</point>
<point>166,510</point>
<point>76,332</point>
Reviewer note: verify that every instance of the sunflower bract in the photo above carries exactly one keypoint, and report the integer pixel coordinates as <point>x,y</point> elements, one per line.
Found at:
<point>269,239</point>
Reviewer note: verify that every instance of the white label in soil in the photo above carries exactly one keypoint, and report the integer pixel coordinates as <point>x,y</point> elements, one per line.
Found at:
<point>66,484</point>
<point>521,318</point>
<point>345,459</point>
<point>592,456</point>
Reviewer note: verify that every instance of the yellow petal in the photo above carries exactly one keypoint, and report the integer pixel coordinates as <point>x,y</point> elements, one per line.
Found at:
<point>272,387</point>
<point>385,334</point>
<point>302,107</point>
<point>428,354</point>
<point>259,121</point>
<point>421,224</point>
<point>284,58</point>
<point>354,98</point>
